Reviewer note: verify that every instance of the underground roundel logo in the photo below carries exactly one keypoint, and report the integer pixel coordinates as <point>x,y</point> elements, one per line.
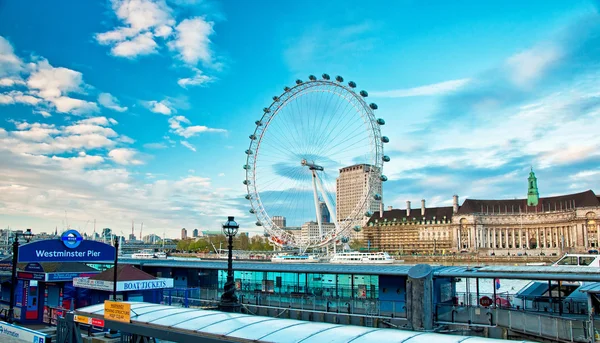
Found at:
<point>71,239</point>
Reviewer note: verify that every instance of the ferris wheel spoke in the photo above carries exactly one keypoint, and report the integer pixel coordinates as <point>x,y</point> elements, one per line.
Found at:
<point>339,119</point>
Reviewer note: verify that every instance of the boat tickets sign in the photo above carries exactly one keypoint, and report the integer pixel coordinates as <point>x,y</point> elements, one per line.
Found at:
<point>71,247</point>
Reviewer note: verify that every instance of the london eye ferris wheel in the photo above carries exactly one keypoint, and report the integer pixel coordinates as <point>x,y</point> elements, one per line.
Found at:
<point>303,139</point>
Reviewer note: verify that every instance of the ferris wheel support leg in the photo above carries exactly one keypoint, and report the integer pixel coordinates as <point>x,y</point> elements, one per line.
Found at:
<point>317,207</point>
<point>328,203</point>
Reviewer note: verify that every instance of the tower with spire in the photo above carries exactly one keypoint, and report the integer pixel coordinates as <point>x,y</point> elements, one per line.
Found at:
<point>533,196</point>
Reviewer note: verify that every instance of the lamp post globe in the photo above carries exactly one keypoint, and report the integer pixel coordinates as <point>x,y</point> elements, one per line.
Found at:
<point>229,301</point>
<point>230,227</point>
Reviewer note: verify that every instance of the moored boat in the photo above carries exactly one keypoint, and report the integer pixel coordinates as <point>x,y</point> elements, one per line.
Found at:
<point>290,258</point>
<point>356,257</point>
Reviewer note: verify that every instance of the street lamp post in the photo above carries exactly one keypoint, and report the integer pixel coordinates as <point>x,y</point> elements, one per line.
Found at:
<point>13,284</point>
<point>229,301</point>
<point>115,264</point>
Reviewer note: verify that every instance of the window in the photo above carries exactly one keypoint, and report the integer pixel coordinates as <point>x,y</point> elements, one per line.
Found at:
<point>586,260</point>
<point>568,261</point>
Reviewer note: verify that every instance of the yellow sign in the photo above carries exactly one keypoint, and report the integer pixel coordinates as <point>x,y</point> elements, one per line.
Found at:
<point>82,319</point>
<point>119,312</point>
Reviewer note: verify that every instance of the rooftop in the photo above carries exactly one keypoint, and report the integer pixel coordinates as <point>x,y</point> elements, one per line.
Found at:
<point>236,327</point>
<point>125,272</point>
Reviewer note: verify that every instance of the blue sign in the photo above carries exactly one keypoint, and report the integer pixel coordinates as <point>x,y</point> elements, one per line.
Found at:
<point>71,239</point>
<point>68,276</point>
<point>69,250</point>
<point>16,332</point>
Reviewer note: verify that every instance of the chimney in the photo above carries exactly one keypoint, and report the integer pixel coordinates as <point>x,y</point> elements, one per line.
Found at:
<point>407,208</point>
<point>423,207</point>
<point>389,208</point>
<point>455,204</point>
<point>381,210</point>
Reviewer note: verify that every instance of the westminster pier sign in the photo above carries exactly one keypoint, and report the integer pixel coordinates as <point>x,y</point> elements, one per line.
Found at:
<point>71,247</point>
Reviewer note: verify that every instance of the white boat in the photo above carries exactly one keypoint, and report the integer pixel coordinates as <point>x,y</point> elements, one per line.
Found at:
<point>289,258</point>
<point>147,254</point>
<point>578,260</point>
<point>356,257</point>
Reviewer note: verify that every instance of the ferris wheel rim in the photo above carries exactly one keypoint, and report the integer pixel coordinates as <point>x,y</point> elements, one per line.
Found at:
<point>276,234</point>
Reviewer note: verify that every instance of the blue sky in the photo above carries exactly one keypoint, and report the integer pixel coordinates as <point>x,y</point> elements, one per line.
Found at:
<point>140,110</point>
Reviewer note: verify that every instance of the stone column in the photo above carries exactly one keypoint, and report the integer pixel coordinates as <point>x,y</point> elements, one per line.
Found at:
<point>527,238</point>
<point>597,236</point>
<point>468,238</point>
<point>513,239</point>
<point>585,235</point>
<point>537,237</point>
<point>495,239</point>
<point>562,237</point>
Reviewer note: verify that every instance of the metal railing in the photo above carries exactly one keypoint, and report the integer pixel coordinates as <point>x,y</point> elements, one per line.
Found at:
<point>200,297</point>
<point>526,303</point>
<point>556,328</point>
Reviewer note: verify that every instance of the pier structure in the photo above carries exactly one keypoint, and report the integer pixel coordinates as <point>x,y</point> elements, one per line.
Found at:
<point>421,297</point>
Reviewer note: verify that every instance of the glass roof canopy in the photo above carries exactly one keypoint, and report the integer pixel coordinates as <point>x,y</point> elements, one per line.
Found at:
<point>242,327</point>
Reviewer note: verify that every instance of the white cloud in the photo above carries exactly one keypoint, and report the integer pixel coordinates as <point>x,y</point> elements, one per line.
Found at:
<point>175,123</point>
<point>43,113</point>
<point>143,15</point>
<point>11,81</point>
<point>162,107</point>
<point>527,66</point>
<point>110,102</point>
<point>53,82</point>
<point>427,90</point>
<point>65,104</point>
<point>188,145</point>
<point>124,156</point>
<point>141,18</point>
<point>10,64</point>
<point>14,97</point>
<point>155,146</point>
<point>102,121</point>
<point>198,79</point>
<point>192,40</point>
<point>148,25</point>
<point>142,44</point>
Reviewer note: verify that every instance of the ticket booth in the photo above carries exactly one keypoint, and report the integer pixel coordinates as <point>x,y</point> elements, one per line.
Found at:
<point>46,270</point>
<point>132,285</point>
<point>45,290</point>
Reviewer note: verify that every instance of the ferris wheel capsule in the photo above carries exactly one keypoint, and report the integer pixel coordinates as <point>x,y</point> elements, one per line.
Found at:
<point>251,211</point>
<point>383,178</point>
<point>386,158</point>
<point>339,79</point>
<point>373,105</point>
<point>252,137</point>
<point>380,121</point>
<point>258,224</point>
<point>364,94</point>
<point>357,228</point>
<point>247,167</point>
<point>385,139</point>
<point>377,197</point>
<point>298,82</point>
<point>325,76</point>
<point>312,78</point>
<point>352,84</point>
<point>246,182</point>
<point>248,152</point>
<point>248,196</point>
